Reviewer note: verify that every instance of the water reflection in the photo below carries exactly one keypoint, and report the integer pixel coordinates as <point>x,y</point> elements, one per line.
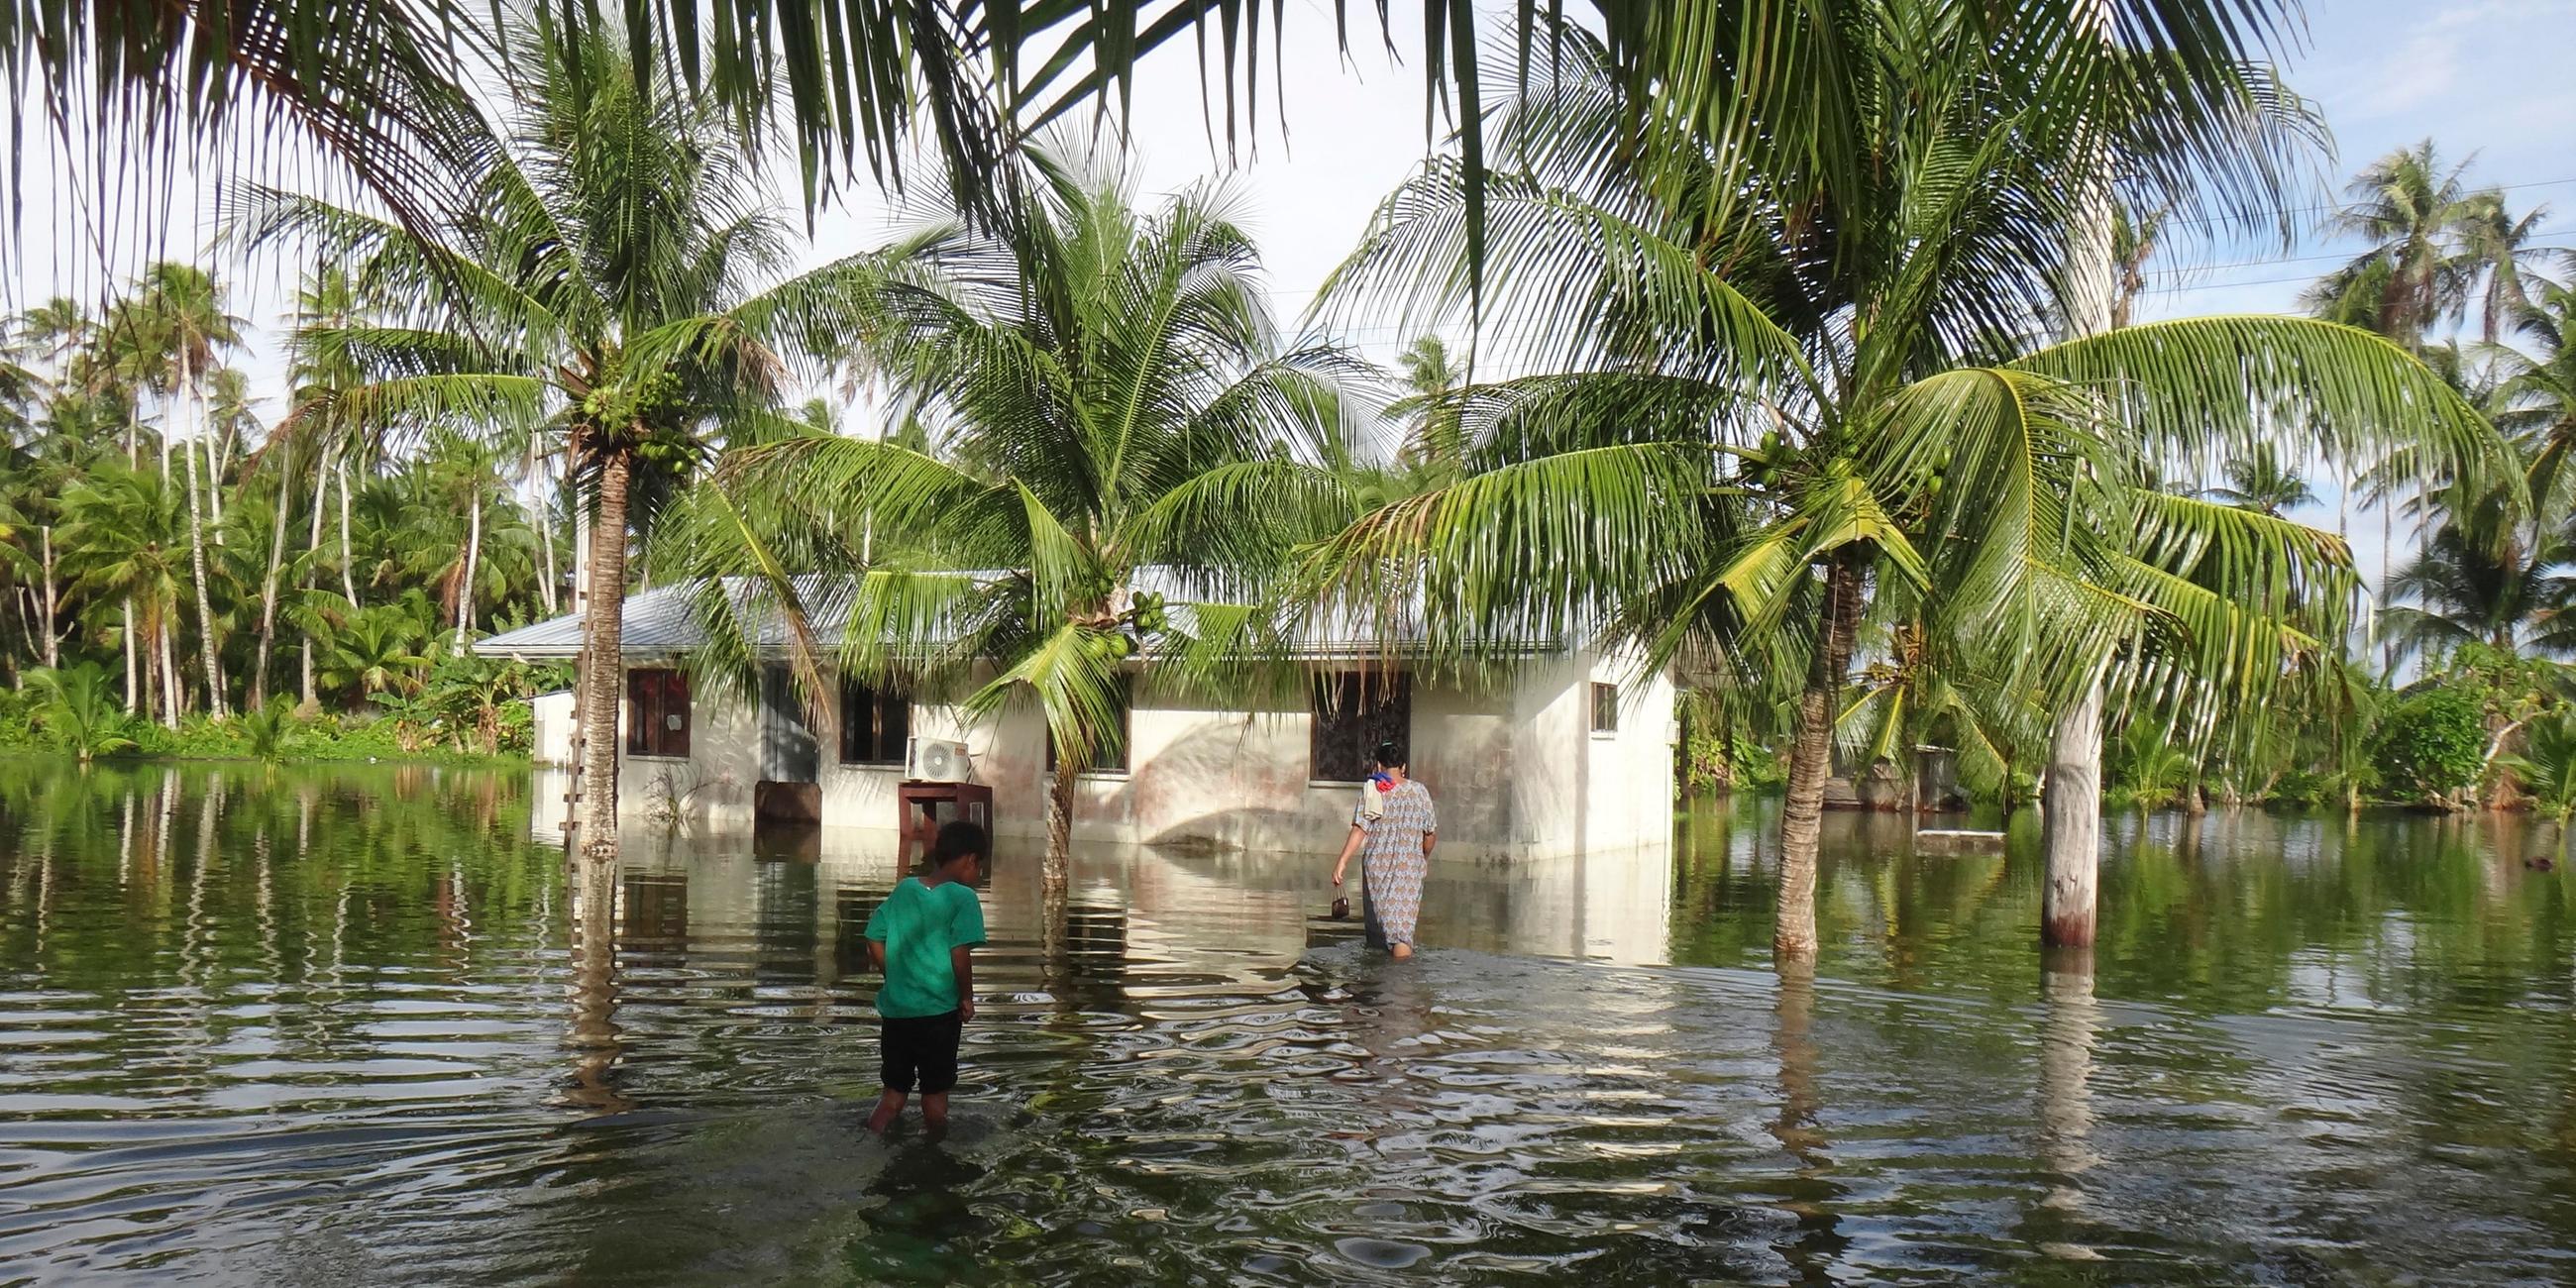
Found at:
<point>2069,1023</point>
<point>357,1025</point>
<point>594,1035</point>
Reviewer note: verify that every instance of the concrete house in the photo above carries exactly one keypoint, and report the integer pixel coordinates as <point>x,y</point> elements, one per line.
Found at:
<point>1557,751</point>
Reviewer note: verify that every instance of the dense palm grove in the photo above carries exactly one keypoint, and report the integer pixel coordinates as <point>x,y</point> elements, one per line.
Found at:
<point>177,553</point>
<point>1822,381</point>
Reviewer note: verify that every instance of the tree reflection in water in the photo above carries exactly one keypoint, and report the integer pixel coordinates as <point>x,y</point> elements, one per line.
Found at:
<point>1811,1193</point>
<point>260,1014</point>
<point>2068,1027</point>
<point>595,1039</point>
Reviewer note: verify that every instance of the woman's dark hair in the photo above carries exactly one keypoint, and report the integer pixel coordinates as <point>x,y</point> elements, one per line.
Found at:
<point>1390,755</point>
<point>957,839</point>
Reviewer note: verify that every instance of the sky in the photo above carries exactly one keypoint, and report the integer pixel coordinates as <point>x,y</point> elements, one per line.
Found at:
<point>2492,79</point>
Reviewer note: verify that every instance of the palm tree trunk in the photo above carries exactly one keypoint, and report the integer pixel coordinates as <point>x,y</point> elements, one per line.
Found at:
<point>206,627</point>
<point>1059,852</point>
<point>312,552</point>
<point>171,701</point>
<point>473,553</point>
<point>268,585</point>
<point>215,485</point>
<point>2071,822</point>
<point>53,603</point>
<point>545,516</point>
<point>132,688</point>
<point>603,669</point>
<point>1802,816</point>
<point>348,575</point>
<point>2387,560</point>
<point>2071,801</point>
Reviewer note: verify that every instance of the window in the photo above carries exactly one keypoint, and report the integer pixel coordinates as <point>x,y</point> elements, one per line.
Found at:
<point>1605,708</point>
<point>875,724</point>
<point>657,712</point>
<point>1354,712</point>
<point>1111,756</point>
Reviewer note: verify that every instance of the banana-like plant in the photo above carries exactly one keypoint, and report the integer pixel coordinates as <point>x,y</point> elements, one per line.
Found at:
<point>78,709</point>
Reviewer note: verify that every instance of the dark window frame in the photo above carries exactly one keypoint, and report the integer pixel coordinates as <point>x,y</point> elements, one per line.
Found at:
<point>1605,708</point>
<point>653,695</point>
<point>1120,758</point>
<point>1352,712</point>
<point>876,724</point>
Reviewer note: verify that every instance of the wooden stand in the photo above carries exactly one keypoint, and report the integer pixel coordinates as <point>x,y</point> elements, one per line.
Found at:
<point>924,806</point>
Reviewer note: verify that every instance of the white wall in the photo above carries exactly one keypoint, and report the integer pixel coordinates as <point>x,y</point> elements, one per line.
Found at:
<point>551,727</point>
<point>1510,761</point>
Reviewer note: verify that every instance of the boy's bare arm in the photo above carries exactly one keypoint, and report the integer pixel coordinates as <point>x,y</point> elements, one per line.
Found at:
<point>876,955</point>
<point>963,960</point>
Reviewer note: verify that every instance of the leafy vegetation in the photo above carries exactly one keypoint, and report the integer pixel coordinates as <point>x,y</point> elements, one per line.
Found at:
<point>1812,357</point>
<point>1127,449</point>
<point>2432,745</point>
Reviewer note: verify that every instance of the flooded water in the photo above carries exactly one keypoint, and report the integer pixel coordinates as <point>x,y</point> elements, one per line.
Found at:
<point>358,1026</point>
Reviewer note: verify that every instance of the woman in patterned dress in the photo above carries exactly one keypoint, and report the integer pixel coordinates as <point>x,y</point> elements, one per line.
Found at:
<point>1397,841</point>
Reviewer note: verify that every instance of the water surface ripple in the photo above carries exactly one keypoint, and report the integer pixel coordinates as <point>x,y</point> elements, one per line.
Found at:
<point>355,1026</point>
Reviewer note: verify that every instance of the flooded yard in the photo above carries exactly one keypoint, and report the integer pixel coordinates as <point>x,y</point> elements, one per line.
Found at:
<point>361,1025</point>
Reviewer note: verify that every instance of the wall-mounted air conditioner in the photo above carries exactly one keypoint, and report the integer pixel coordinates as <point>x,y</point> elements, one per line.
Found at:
<point>935,760</point>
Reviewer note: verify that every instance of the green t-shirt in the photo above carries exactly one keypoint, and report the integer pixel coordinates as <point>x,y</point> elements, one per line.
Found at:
<point>919,924</point>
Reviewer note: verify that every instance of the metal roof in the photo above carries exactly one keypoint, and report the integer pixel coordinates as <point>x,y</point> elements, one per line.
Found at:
<point>662,622</point>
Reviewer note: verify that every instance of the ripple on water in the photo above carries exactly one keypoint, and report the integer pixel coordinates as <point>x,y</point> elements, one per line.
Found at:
<point>374,1047</point>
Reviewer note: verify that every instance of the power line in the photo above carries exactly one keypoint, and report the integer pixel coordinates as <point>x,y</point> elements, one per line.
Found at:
<point>2305,277</point>
<point>2340,205</point>
<point>2179,269</point>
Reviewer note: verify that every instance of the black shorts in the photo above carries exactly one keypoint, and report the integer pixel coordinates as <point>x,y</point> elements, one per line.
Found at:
<point>921,1048</point>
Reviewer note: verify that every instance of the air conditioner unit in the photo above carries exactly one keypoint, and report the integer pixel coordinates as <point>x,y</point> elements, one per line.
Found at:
<point>935,760</point>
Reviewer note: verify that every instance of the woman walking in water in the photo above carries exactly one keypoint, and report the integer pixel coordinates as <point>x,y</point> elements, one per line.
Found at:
<point>1398,836</point>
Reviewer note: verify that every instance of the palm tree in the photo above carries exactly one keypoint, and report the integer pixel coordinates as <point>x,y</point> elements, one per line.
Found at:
<point>2410,210</point>
<point>125,535</point>
<point>316,437</point>
<point>2547,765</point>
<point>2494,568</point>
<point>176,314</point>
<point>2485,582</point>
<point>76,711</point>
<point>383,86</point>
<point>2535,395</point>
<point>2259,482</point>
<point>1855,344</point>
<point>2497,247</point>
<point>1431,375</point>
<point>614,279</point>
<point>1119,416</point>
<point>378,652</point>
<point>2134,235</point>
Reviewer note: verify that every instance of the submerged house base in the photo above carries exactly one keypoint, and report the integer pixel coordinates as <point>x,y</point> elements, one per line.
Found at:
<point>1561,751</point>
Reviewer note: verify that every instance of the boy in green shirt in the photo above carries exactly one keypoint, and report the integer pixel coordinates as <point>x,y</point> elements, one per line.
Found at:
<point>923,937</point>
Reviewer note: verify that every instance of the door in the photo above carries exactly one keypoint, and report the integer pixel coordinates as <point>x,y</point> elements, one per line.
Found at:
<point>789,752</point>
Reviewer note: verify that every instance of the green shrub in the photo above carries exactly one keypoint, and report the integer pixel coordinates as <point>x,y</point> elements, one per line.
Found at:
<point>2305,787</point>
<point>100,723</point>
<point>17,719</point>
<point>2432,746</point>
<point>1757,765</point>
<point>1711,762</point>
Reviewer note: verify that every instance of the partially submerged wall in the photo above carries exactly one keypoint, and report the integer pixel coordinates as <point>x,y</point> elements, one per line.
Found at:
<point>1511,760</point>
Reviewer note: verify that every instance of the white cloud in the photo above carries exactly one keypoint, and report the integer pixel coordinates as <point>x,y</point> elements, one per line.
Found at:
<point>2422,70</point>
